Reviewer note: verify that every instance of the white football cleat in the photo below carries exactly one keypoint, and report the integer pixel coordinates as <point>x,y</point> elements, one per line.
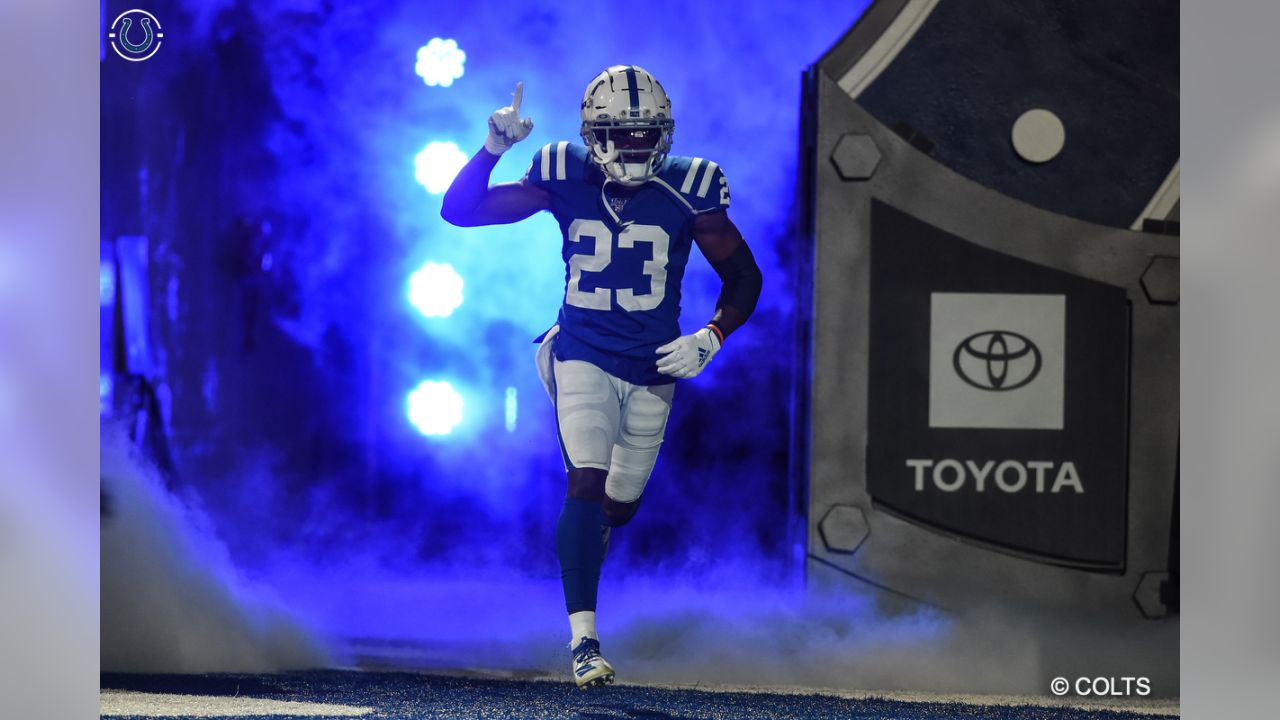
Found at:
<point>589,669</point>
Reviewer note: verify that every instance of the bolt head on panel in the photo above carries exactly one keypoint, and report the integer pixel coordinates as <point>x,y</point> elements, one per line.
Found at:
<point>856,156</point>
<point>1147,595</point>
<point>843,528</point>
<point>1160,280</point>
<point>1038,136</point>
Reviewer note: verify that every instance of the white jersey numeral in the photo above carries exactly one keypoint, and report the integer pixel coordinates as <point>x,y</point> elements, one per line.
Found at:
<point>656,268</point>
<point>599,259</point>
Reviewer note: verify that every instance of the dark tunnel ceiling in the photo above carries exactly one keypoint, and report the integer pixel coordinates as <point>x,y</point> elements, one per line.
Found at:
<point>1108,70</point>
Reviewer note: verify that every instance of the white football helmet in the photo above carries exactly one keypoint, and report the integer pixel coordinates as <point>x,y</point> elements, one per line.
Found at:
<point>627,124</point>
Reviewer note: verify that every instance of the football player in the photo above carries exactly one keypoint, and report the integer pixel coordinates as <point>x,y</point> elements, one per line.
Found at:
<point>629,214</point>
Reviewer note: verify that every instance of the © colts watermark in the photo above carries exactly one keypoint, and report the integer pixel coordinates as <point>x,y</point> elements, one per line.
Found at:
<point>1102,686</point>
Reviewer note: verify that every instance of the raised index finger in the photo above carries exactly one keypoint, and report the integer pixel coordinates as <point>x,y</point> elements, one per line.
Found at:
<point>515,103</point>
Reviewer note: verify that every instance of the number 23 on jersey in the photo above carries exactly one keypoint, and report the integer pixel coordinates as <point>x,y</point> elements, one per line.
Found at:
<point>602,298</point>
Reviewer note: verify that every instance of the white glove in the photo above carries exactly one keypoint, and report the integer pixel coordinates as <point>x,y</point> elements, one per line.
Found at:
<point>506,127</point>
<point>687,355</point>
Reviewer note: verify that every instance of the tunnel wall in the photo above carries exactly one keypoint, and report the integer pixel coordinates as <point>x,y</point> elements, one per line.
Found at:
<point>993,403</point>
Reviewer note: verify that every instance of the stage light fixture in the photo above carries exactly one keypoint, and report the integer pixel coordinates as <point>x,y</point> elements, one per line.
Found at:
<point>435,289</point>
<point>440,62</point>
<point>435,408</point>
<point>437,164</point>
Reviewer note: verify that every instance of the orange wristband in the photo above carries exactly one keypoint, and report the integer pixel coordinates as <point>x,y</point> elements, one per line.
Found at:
<point>719,333</point>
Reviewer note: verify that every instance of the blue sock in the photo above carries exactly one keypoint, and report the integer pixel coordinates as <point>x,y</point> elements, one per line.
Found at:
<point>580,545</point>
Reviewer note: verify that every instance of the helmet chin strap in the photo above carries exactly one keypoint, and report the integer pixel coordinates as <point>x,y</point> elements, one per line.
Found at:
<point>620,172</point>
<point>606,156</point>
<point>627,176</point>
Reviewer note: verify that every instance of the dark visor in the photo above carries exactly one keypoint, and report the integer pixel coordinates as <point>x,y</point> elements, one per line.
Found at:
<point>644,138</point>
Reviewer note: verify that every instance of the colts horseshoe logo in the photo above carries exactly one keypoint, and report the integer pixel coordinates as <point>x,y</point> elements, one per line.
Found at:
<point>135,35</point>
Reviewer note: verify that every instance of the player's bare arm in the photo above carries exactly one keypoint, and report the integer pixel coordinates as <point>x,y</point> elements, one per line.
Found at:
<point>470,200</point>
<point>722,244</point>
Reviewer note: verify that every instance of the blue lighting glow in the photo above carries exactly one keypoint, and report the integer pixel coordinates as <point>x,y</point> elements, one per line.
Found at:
<point>430,412</point>
<point>435,290</point>
<point>511,409</point>
<point>437,164</point>
<point>106,283</point>
<point>105,387</point>
<point>440,62</point>
<point>435,408</point>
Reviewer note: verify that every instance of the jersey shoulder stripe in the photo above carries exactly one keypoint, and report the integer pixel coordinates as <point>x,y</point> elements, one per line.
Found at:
<point>699,183</point>
<point>557,161</point>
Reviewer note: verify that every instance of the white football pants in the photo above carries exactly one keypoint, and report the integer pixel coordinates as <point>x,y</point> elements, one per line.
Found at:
<point>606,422</point>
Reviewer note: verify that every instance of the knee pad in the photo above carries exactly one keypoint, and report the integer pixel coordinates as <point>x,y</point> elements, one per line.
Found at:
<point>629,470</point>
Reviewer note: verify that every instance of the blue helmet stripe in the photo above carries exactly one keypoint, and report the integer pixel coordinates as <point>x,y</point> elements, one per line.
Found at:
<point>632,89</point>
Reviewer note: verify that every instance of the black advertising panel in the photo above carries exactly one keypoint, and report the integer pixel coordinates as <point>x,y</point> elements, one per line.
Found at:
<point>997,398</point>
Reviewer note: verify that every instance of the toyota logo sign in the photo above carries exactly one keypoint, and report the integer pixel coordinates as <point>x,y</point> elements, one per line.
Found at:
<point>996,360</point>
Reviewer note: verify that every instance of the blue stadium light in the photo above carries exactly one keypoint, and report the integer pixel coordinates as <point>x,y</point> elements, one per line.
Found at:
<point>436,290</point>
<point>511,409</point>
<point>440,62</point>
<point>106,283</point>
<point>435,408</point>
<point>105,387</point>
<point>437,164</point>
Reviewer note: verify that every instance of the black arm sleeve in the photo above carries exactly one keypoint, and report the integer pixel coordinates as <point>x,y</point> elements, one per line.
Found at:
<point>742,281</point>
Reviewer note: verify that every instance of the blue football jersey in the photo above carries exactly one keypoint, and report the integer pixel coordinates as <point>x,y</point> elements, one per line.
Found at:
<point>625,252</point>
